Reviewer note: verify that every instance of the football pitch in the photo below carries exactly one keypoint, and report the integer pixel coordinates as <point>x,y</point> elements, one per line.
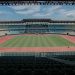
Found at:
<point>37,41</point>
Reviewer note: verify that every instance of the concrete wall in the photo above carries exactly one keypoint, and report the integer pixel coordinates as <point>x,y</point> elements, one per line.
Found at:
<point>2,32</point>
<point>71,33</point>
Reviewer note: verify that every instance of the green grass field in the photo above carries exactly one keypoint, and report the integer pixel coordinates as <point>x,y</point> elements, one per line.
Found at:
<point>37,41</point>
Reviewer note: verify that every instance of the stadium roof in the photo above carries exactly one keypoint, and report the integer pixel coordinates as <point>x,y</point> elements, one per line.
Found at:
<point>38,20</point>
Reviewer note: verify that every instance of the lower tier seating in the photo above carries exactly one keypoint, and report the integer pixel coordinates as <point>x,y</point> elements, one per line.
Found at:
<point>30,65</point>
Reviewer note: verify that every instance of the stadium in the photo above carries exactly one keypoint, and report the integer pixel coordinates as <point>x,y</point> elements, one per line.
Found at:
<point>34,45</point>
<point>34,34</point>
<point>45,40</point>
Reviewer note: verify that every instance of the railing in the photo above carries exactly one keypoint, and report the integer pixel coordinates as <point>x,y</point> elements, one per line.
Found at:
<point>51,2</point>
<point>37,23</point>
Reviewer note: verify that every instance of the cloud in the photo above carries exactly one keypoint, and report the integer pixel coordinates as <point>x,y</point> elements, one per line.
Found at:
<point>48,12</point>
<point>39,11</point>
<point>71,13</point>
<point>35,10</point>
<point>18,7</point>
<point>3,13</point>
<point>27,9</point>
<point>66,15</point>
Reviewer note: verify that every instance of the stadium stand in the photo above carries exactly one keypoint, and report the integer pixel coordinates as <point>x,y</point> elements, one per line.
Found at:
<point>37,26</point>
<point>18,65</point>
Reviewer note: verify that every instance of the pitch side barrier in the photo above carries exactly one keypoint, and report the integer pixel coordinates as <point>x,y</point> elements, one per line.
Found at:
<point>37,34</point>
<point>37,54</point>
<point>55,56</point>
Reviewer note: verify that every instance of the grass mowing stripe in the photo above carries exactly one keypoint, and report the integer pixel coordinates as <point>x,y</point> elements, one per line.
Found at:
<point>23,41</point>
<point>14,42</point>
<point>47,41</point>
<point>38,41</point>
<point>33,41</point>
<point>42,41</point>
<point>30,41</point>
<point>51,42</point>
<point>27,42</point>
<point>20,42</point>
<point>26,37</point>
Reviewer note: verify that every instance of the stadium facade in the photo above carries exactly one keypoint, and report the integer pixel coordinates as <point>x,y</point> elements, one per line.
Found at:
<point>37,26</point>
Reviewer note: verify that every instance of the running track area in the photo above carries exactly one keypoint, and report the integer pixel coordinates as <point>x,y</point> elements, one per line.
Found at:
<point>5,38</point>
<point>38,49</point>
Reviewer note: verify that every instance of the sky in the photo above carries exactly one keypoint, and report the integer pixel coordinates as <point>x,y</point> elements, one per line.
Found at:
<point>54,12</point>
